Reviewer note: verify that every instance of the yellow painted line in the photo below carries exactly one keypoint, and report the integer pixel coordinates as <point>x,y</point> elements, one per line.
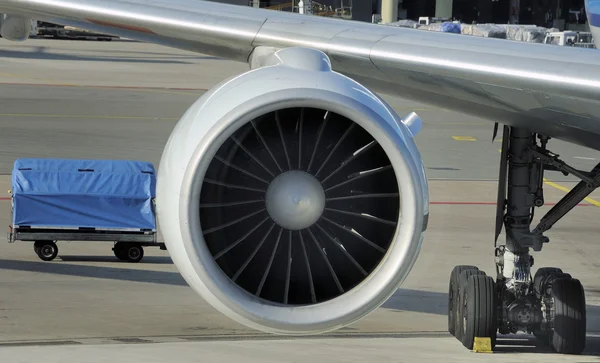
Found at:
<point>133,89</point>
<point>410,109</point>
<point>88,116</point>
<point>566,190</point>
<point>151,91</point>
<point>13,75</point>
<point>464,138</point>
<point>453,123</point>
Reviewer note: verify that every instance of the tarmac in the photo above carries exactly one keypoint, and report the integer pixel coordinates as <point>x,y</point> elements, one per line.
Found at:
<point>120,100</point>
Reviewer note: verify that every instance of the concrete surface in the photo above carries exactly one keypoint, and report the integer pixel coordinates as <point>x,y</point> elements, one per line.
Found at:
<point>110,100</point>
<point>299,350</point>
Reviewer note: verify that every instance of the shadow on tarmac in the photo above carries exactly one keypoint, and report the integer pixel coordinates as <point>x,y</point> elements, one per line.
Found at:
<point>402,300</point>
<point>153,260</point>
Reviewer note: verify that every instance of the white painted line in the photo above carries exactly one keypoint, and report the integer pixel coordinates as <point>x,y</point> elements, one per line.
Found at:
<point>583,158</point>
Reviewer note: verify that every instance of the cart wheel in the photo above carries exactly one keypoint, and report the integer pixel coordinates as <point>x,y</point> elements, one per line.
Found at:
<point>120,251</point>
<point>37,245</point>
<point>121,254</point>
<point>47,251</point>
<point>134,252</point>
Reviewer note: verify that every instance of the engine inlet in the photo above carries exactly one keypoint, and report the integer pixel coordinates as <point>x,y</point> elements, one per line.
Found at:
<point>299,206</point>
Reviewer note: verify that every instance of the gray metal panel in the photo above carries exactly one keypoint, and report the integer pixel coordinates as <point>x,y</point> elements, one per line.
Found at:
<point>293,33</point>
<point>350,51</point>
<point>550,89</point>
<point>87,230</point>
<point>489,60</point>
<point>193,25</point>
<point>80,236</point>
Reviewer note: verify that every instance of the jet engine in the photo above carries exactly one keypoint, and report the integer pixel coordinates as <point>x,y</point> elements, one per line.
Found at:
<point>291,198</point>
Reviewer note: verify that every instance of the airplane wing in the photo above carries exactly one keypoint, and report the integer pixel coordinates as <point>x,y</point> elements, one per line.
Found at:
<point>513,83</point>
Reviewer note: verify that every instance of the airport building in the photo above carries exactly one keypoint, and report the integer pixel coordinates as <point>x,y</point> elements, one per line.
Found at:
<point>547,13</point>
<point>561,14</point>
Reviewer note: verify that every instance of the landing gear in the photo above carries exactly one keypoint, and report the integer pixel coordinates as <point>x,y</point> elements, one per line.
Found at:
<point>550,305</point>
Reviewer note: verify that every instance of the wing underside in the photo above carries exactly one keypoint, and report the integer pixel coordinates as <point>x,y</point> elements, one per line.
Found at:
<point>548,88</point>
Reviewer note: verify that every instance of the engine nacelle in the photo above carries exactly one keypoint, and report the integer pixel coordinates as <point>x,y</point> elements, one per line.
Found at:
<point>292,198</point>
<point>15,28</point>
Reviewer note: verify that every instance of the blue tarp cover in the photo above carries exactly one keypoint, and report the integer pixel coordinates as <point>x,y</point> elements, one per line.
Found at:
<point>448,27</point>
<point>101,194</point>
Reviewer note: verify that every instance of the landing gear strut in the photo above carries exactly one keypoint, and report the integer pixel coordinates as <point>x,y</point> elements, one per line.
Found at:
<point>551,305</point>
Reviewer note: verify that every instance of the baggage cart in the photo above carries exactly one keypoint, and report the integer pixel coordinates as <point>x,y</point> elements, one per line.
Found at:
<point>84,200</point>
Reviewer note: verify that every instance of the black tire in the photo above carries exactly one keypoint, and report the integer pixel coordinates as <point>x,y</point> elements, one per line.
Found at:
<point>121,255</point>
<point>47,251</point>
<point>542,286</point>
<point>481,310</point>
<point>540,278</point>
<point>568,336</point>
<point>120,250</point>
<point>463,278</point>
<point>452,292</point>
<point>37,245</point>
<point>134,252</point>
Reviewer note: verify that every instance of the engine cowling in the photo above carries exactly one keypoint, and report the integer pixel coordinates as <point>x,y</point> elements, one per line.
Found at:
<point>15,28</point>
<point>292,198</point>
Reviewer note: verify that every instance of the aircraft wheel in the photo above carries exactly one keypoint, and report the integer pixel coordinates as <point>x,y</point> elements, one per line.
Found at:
<point>541,281</point>
<point>540,278</point>
<point>453,292</point>
<point>568,336</point>
<point>463,278</point>
<point>479,310</point>
<point>47,251</point>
